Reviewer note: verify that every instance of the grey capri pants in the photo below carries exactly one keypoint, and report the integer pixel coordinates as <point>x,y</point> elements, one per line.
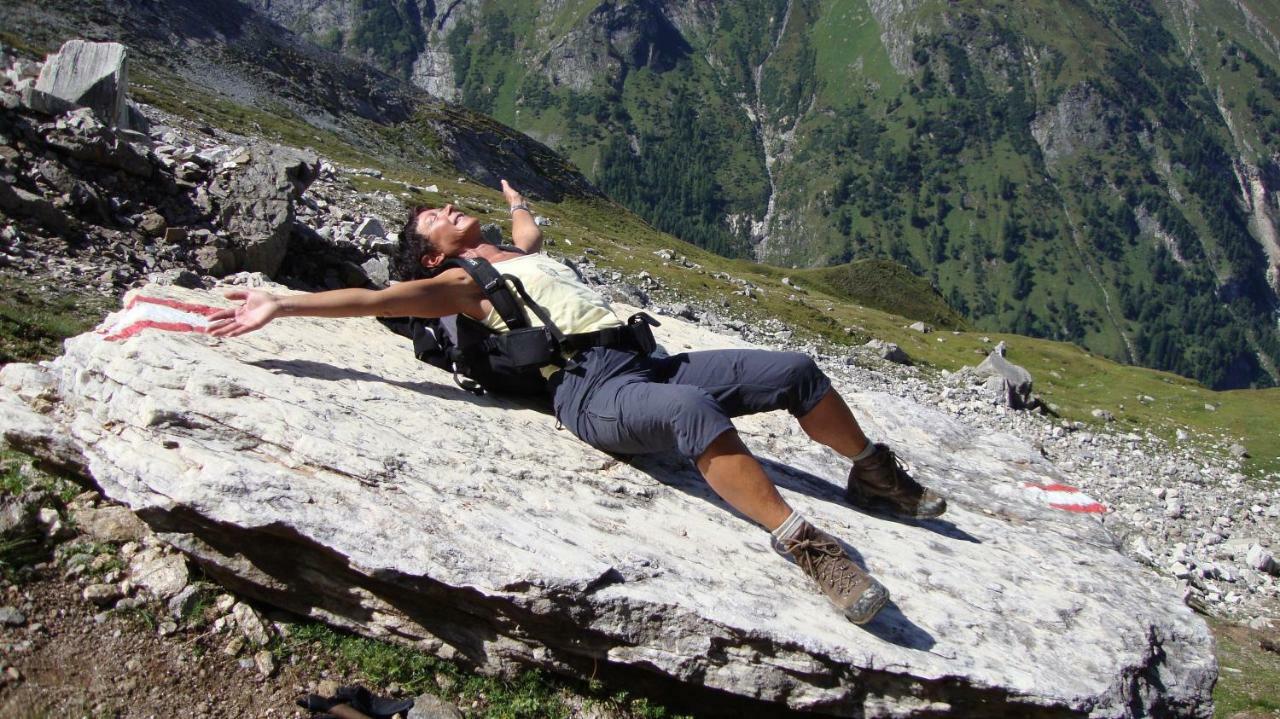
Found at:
<point>624,403</point>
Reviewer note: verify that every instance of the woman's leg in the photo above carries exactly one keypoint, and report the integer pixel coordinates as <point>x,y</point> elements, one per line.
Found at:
<point>739,479</point>
<point>831,422</point>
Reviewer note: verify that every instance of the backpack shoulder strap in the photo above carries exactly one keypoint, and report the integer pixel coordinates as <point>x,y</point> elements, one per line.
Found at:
<point>490,281</point>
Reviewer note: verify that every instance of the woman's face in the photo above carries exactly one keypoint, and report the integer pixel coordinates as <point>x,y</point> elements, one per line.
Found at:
<point>450,231</point>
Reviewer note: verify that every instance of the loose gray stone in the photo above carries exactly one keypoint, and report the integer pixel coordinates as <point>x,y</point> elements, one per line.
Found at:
<point>1260,559</point>
<point>684,311</point>
<point>265,663</point>
<point>11,617</point>
<point>250,624</point>
<point>491,233</point>
<point>256,204</point>
<point>18,202</point>
<point>1260,623</point>
<point>51,524</point>
<point>377,270</point>
<point>20,514</point>
<point>371,228</point>
<point>83,136</point>
<point>160,574</point>
<point>183,602</point>
<point>102,594</point>
<point>430,706</point>
<point>111,524</point>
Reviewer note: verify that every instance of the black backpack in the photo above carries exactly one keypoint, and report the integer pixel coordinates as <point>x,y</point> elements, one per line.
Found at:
<point>508,362</point>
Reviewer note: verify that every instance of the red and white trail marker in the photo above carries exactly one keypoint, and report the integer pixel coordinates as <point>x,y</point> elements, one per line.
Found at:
<point>1064,497</point>
<point>142,313</point>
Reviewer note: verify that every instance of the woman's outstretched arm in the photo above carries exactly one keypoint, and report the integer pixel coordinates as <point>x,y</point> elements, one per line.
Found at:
<point>449,293</point>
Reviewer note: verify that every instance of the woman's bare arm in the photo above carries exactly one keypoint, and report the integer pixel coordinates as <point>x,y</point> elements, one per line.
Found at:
<point>451,292</point>
<point>525,232</point>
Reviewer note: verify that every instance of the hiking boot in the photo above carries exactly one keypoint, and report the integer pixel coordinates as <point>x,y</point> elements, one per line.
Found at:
<point>879,483</point>
<point>851,589</point>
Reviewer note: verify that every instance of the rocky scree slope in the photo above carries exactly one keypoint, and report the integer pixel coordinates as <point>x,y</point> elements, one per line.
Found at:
<point>520,601</point>
<point>230,51</point>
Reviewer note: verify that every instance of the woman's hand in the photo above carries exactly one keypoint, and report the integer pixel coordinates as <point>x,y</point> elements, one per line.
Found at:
<point>512,196</point>
<point>257,309</point>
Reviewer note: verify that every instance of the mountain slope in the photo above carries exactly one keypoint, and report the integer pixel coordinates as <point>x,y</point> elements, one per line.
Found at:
<point>1101,172</point>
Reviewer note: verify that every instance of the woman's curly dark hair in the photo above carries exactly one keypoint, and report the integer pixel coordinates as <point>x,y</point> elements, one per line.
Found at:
<point>407,263</point>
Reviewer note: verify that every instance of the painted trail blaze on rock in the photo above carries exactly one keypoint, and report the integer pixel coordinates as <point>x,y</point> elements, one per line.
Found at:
<point>1064,497</point>
<point>142,312</point>
<point>317,466</point>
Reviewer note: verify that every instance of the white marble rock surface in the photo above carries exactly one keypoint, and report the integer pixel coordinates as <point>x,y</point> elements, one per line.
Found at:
<point>318,466</point>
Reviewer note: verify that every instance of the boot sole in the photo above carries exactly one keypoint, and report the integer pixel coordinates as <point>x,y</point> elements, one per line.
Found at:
<point>880,505</point>
<point>868,605</point>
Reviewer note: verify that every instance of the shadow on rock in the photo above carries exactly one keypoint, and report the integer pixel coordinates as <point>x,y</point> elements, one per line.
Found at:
<point>802,482</point>
<point>322,370</point>
<point>892,626</point>
<point>310,369</point>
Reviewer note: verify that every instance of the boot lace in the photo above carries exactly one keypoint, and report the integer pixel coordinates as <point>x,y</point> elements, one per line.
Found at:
<point>822,558</point>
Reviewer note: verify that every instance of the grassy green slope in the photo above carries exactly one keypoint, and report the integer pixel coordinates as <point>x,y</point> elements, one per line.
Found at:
<point>886,286</point>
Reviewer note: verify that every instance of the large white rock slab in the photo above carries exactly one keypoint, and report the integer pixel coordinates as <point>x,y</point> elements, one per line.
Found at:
<point>318,466</point>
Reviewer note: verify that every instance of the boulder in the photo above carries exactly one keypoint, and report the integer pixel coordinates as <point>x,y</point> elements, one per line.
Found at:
<point>1011,381</point>
<point>371,228</point>
<point>18,202</point>
<point>317,466</point>
<point>430,706</point>
<point>256,204</point>
<point>888,351</point>
<point>19,514</point>
<point>491,233</point>
<point>1260,559</point>
<point>111,524</point>
<point>162,574</point>
<point>378,271</point>
<point>85,74</point>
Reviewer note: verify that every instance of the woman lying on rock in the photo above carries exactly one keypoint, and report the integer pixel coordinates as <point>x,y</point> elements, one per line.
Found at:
<point>624,401</point>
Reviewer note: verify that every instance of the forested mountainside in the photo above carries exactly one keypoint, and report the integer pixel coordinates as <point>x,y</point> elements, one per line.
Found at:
<point>1101,171</point>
